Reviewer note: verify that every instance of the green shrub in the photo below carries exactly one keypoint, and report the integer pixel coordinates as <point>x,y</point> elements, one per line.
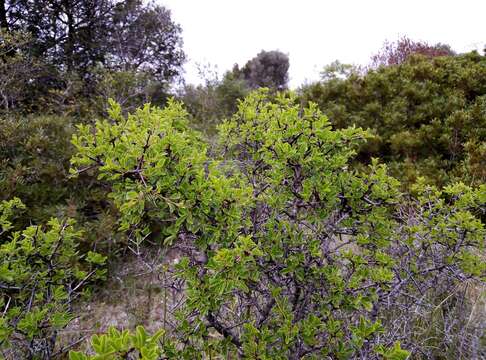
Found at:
<point>41,274</point>
<point>34,166</point>
<point>35,154</point>
<point>123,345</point>
<point>289,253</point>
<point>428,115</point>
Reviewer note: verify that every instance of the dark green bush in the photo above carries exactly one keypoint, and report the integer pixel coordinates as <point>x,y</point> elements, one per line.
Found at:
<point>34,166</point>
<point>428,115</point>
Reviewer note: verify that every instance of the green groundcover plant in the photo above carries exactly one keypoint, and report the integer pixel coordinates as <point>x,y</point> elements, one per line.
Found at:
<point>289,253</point>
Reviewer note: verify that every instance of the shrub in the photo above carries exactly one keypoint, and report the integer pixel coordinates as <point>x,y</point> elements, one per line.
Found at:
<point>34,166</point>
<point>289,253</point>
<point>41,274</point>
<point>123,345</point>
<point>428,115</point>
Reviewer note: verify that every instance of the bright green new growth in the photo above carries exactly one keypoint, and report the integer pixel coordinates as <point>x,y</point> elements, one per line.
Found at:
<point>160,171</point>
<point>41,273</point>
<point>289,254</point>
<point>7,210</point>
<point>121,344</point>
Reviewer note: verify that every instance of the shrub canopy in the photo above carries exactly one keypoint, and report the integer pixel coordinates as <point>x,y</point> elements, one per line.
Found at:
<point>289,253</point>
<point>428,115</point>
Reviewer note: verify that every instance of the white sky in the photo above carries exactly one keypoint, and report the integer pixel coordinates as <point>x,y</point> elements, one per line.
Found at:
<point>316,32</point>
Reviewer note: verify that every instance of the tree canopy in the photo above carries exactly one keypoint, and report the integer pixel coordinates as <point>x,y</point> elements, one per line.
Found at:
<point>76,39</point>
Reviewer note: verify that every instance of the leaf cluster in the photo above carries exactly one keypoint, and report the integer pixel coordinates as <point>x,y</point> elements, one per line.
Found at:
<point>41,274</point>
<point>427,115</point>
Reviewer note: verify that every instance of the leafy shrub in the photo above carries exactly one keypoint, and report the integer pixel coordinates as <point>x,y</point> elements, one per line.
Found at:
<point>123,345</point>
<point>439,263</point>
<point>35,154</point>
<point>428,115</point>
<point>41,274</point>
<point>34,166</point>
<point>144,156</point>
<point>288,252</point>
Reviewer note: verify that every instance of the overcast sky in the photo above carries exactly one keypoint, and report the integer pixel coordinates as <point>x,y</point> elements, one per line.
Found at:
<point>316,32</point>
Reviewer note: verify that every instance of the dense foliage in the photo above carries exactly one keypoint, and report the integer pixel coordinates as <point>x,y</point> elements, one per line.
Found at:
<point>115,345</point>
<point>34,166</point>
<point>41,274</point>
<point>61,41</point>
<point>345,222</point>
<point>288,252</point>
<point>428,115</point>
<point>267,69</point>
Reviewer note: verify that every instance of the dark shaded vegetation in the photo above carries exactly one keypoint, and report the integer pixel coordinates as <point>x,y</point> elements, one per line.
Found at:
<point>69,46</point>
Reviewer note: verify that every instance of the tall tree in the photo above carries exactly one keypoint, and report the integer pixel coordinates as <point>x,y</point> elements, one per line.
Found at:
<point>144,38</point>
<point>75,35</point>
<point>3,16</point>
<point>67,33</point>
<point>267,69</point>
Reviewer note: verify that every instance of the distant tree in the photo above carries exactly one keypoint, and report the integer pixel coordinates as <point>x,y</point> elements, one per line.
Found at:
<point>3,16</point>
<point>394,53</point>
<point>129,88</point>
<point>144,37</point>
<point>218,99</point>
<point>75,35</point>
<point>267,69</point>
<point>339,70</point>
<point>214,100</point>
<point>69,34</point>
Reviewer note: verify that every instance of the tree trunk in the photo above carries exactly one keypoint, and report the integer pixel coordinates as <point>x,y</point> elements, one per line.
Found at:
<point>3,16</point>
<point>5,27</point>
<point>69,47</point>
